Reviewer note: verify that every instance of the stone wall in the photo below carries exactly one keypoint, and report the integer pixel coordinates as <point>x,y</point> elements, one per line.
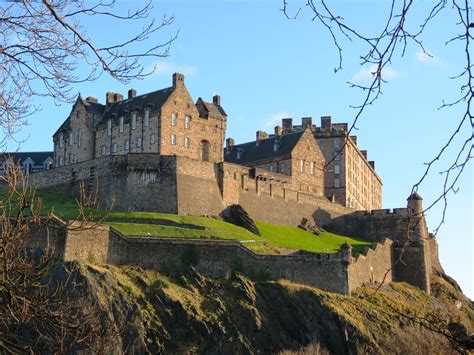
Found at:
<point>218,258</point>
<point>89,243</point>
<point>374,265</point>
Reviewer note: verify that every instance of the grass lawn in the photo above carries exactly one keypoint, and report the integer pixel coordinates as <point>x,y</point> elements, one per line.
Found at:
<point>169,225</point>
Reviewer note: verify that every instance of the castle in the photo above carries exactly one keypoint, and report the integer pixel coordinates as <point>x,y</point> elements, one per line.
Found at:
<point>162,152</point>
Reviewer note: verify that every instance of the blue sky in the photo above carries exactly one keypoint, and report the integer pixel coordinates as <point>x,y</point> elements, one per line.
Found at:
<point>266,67</point>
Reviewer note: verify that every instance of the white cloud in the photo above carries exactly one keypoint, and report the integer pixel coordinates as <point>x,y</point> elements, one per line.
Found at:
<point>274,119</point>
<point>428,58</point>
<point>168,68</point>
<point>367,72</point>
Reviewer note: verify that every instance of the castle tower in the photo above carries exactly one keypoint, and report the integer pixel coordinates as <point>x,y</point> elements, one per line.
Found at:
<point>415,204</point>
<point>418,226</point>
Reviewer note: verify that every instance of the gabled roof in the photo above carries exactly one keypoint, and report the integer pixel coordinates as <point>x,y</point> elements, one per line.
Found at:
<point>19,157</point>
<point>94,107</point>
<point>154,100</point>
<point>251,152</point>
<point>210,108</point>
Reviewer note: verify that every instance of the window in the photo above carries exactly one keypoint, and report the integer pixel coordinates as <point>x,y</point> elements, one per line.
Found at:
<point>173,139</point>
<point>187,122</point>
<point>338,157</point>
<point>302,166</point>
<point>139,141</point>
<point>337,143</point>
<point>270,168</point>
<point>126,145</point>
<point>103,150</point>
<point>109,127</point>
<point>337,182</point>
<point>61,161</point>
<point>152,138</point>
<point>121,124</point>
<point>282,168</point>
<point>79,140</point>
<point>337,169</point>
<point>134,120</point>
<point>173,119</point>
<point>61,140</point>
<point>146,118</point>
<point>114,148</point>
<point>313,168</point>
<point>71,138</point>
<point>186,142</point>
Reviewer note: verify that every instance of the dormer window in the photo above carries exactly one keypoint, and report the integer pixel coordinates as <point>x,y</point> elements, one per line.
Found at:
<point>276,145</point>
<point>240,152</point>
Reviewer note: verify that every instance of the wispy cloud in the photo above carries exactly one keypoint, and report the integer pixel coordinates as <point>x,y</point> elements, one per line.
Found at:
<point>274,119</point>
<point>428,58</point>
<point>168,68</point>
<point>368,72</point>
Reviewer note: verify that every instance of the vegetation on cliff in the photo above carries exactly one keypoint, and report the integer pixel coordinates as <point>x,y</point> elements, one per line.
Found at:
<point>191,313</point>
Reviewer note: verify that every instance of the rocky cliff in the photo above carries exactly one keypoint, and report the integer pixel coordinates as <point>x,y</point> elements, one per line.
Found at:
<point>190,313</point>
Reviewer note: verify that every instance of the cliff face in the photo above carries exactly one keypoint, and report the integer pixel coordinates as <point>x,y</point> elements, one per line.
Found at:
<point>153,313</point>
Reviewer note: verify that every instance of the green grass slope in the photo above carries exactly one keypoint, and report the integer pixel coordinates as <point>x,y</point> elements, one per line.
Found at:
<point>274,239</point>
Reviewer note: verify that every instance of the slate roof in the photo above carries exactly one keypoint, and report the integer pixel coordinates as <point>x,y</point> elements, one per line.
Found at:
<point>154,100</point>
<point>94,107</point>
<point>264,150</point>
<point>19,157</point>
<point>213,108</point>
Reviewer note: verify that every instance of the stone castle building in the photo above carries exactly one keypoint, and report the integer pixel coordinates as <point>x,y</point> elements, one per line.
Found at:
<point>323,161</point>
<point>348,177</point>
<point>163,152</point>
<point>166,122</point>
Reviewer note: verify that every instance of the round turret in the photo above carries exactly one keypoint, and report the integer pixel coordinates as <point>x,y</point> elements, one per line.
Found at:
<point>415,203</point>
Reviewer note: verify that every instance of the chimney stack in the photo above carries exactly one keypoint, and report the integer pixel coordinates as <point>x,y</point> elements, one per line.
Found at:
<point>326,123</point>
<point>261,135</point>
<point>278,131</point>
<point>91,99</point>
<point>307,122</point>
<point>132,93</point>
<point>354,139</point>
<point>229,143</point>
<point>364,153</point>
<point>287,124</point>
<point>372,164</point>
<point>178,79</point>
<point>216,99</point>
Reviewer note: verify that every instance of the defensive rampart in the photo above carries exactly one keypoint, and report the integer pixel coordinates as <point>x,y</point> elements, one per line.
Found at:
<point>170,184</point>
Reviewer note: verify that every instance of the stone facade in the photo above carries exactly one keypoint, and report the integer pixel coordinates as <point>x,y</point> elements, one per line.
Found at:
<point>164,122</point>
<point>349,178</point>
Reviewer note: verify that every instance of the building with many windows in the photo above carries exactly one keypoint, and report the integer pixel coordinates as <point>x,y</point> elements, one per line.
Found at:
<point>29,162</point>
<point>165,121</point>
<point>349,178</point>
